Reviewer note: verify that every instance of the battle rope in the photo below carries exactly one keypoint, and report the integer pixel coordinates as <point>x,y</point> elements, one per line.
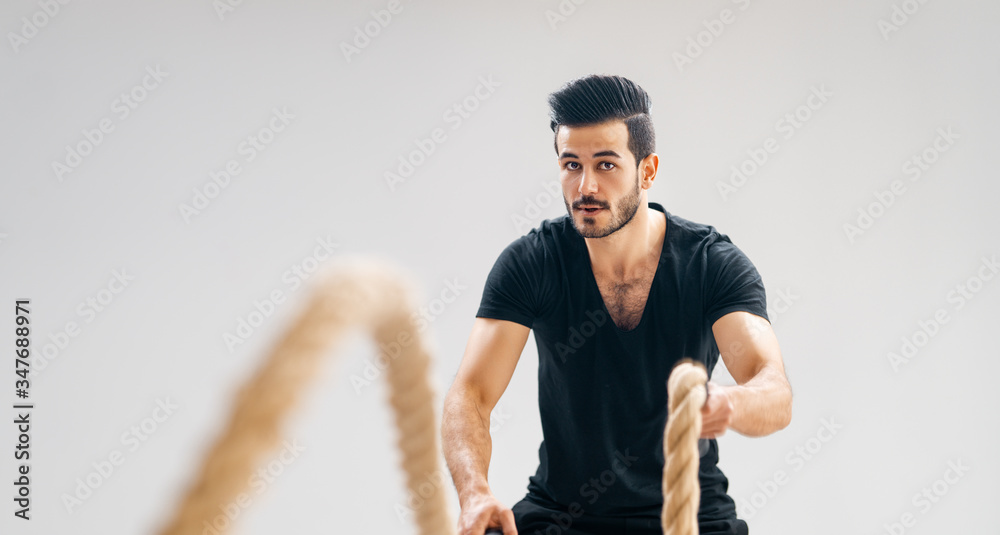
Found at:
<point>359,292</point>
<point>682,493</point>
<point>366,293</point>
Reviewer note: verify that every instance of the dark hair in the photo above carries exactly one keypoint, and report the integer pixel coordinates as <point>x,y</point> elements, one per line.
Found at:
<point>598,98</point>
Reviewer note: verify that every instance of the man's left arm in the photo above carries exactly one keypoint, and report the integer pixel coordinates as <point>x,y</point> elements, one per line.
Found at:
<point>761,401</point>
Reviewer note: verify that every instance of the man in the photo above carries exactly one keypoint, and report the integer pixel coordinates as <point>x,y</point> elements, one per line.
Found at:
<point>617,291</point>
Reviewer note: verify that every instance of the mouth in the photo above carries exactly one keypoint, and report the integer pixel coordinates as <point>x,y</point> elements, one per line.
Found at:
<point>589,209</point>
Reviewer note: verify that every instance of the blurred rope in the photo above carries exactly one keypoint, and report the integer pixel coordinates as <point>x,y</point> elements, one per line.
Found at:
<point>360,292</point>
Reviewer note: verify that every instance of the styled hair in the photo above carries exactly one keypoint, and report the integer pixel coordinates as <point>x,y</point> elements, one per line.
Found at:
<point>598,98</point>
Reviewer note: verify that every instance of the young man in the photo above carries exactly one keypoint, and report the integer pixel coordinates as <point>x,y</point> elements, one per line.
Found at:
<point>617,291</point>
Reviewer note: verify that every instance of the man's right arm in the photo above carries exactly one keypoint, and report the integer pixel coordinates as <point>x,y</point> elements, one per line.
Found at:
<point>491,355</point>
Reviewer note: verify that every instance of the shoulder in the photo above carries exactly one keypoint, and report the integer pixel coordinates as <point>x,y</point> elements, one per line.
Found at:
<point>527,271</point>
<point>547,239</point>
<point>704,247</point>
<point>685,232</point>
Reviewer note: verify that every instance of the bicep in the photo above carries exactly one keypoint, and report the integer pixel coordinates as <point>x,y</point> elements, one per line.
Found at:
<point>747,344</point>
<point>491,354</point>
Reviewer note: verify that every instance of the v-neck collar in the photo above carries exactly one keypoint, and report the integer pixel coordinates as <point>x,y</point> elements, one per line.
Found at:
<point>656,275</point>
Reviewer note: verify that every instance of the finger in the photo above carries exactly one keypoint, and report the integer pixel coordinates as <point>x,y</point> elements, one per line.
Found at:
<point>713,428</point>
<point>477,526</point>
<point>713,432</point>
<point>710,415</point>
<point>717,422</point>
<point>507,521</point>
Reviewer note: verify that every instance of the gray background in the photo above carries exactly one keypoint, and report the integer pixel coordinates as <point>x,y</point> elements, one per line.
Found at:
<point>848,302</point>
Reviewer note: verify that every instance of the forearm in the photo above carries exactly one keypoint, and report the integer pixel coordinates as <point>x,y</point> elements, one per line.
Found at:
<point>465,434</point>
<point>762,405</point>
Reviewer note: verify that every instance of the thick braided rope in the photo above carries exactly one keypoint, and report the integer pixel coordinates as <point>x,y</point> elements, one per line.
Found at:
<point>357,292</point>
<point>682,493</point>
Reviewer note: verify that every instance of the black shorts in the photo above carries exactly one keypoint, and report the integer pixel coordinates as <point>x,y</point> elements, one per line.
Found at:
<point>533,519</point>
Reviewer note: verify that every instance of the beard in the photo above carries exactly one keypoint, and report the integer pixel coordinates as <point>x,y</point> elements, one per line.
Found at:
<point>621,213</point>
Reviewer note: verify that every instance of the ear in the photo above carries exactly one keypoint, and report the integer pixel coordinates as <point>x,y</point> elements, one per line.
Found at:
<point>647,170</point>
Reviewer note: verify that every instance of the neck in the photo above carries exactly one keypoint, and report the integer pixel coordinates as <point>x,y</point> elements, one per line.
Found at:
<point>627,253</point>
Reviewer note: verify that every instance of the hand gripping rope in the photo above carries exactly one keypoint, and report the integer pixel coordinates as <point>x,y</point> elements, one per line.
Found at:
<point>367,293</point>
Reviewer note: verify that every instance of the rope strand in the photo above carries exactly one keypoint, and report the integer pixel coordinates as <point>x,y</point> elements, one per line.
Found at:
<point>358,292</point>
<point>681,490</point>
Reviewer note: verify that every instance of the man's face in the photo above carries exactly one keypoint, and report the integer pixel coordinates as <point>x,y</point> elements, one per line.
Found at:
<point>599,177</point>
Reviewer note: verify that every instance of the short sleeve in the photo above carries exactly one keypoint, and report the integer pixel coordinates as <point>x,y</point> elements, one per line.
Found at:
<point>732,283</point>
<point>510,292</point>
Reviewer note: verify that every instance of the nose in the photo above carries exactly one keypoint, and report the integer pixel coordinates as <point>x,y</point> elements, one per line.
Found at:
<point>588,183</point>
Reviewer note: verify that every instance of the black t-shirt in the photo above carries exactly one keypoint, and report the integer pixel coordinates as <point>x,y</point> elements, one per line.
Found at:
<point>601,390</point>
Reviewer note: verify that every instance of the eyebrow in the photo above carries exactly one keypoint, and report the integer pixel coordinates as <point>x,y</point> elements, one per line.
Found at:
<point>596,154</point>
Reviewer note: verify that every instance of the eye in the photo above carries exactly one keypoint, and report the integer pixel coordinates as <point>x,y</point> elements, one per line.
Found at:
<point>569,165</point>
<point>610,165</point>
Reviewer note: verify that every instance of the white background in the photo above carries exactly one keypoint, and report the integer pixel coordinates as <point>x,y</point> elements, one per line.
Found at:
<point>851,300</point>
